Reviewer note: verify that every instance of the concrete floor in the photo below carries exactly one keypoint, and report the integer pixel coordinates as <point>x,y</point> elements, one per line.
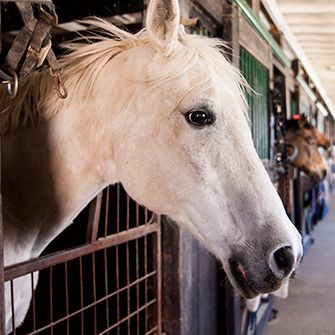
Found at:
<point>310,307</point>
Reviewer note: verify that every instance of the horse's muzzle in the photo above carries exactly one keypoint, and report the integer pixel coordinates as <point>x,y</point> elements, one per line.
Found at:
<point>263,278</point>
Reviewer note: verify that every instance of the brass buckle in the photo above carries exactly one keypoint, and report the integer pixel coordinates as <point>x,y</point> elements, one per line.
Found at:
<point>40,55</point>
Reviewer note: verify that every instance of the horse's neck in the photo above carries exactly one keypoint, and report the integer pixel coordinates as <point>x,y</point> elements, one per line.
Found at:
<point>49,173</point>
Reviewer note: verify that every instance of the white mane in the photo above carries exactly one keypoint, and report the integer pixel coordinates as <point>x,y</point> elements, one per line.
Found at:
<point>37,98</point>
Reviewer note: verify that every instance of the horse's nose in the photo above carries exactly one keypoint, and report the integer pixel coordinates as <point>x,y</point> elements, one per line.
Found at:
<point>282,262</point>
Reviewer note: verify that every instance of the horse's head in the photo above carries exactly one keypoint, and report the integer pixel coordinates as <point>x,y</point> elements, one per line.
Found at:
<point>304,140</point>
<point>184,148</point>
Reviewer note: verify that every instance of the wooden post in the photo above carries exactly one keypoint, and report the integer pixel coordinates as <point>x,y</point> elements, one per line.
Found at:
<point>230,32</point>
<point>190,284</point>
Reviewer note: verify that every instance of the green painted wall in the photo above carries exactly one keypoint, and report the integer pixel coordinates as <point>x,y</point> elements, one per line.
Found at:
<point>257,76</point>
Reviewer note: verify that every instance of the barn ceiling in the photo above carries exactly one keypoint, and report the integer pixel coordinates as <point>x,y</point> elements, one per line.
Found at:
<point>312,22</point>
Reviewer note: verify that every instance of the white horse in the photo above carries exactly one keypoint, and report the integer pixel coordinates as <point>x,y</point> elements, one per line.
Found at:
<point>162,112</point>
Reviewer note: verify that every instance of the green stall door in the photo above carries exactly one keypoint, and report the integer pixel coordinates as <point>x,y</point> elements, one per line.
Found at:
<point>257,77</point>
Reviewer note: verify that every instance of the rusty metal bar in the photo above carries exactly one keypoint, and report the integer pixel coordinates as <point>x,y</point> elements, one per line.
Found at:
<point>106,213</point>
<point>117,283</point>
<point>106,286</point>
<point>146,282</point>
<point>144,307</point>
<point>137,214</point>
<point>127,274</point>
<point>153,330</point>
<point>93,218</point>
<point>33,301</point>
<point>44,262</point>
<point>81,295</point>
<point>98,301</point>
<point>158,261</point>
<point>94,294</point>
<point>12,306</point>
<point>118,192</point>
<point>51,298</point>
<point>127,262</point>
<point>67,298</point>
<point>137,286</point>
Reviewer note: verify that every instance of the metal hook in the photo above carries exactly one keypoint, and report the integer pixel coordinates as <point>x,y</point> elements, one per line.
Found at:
<point>61,88</point>
<point>12,85</point>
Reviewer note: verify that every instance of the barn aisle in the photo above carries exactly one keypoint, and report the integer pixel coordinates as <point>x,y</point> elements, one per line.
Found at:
<point>310,308</point>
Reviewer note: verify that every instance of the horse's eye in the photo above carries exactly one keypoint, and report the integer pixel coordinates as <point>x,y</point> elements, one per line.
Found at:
<point>199,118</point>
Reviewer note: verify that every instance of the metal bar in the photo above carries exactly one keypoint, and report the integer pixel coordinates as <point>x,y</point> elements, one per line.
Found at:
<point>93,218</point>
<point>127,261</point>
<point>117,265</point>
<point>137,215</point>
<point>12,306</point>
<point>262,32</point>
<point>146,282</point>
<point>94,294</point>
<point>106,286</point>
<point>128,317</point>
<point>128,213</point>
<point>153,330</point>
<point>33,303</point>
<point>157,259</point>
<point>118,208</point>
<point>127,270</point>
<point>106,212</point>
<point>81,295</point>
<point>51,300</point>
<point>67,299</point>
<point>44,262</point>
<point>97,302</point>
<point>137,286</point>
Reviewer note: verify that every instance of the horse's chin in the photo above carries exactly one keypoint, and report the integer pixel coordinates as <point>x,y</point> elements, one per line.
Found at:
<point>316,177</point>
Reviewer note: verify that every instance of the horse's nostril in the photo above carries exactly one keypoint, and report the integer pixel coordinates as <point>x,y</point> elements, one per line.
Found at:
<point>284,261</point>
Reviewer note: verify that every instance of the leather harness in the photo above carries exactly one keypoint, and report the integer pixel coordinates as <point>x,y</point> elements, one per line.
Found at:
<point>32,48</point>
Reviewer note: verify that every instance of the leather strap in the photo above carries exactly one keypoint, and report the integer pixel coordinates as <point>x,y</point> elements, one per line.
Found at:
<point>32,46</point>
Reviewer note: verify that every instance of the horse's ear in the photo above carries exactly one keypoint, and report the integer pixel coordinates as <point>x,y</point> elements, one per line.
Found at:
<point>163,18</point>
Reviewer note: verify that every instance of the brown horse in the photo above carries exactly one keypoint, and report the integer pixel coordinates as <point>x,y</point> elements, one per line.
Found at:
<point>303,140</point>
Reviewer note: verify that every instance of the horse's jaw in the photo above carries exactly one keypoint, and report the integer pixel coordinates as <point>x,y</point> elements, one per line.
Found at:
<point>242,221</point>
<point>246,256</point>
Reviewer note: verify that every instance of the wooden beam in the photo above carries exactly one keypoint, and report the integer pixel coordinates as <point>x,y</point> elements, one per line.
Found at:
<point>305,29</point>
<point>303,7</point>
<point>316,19</point>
